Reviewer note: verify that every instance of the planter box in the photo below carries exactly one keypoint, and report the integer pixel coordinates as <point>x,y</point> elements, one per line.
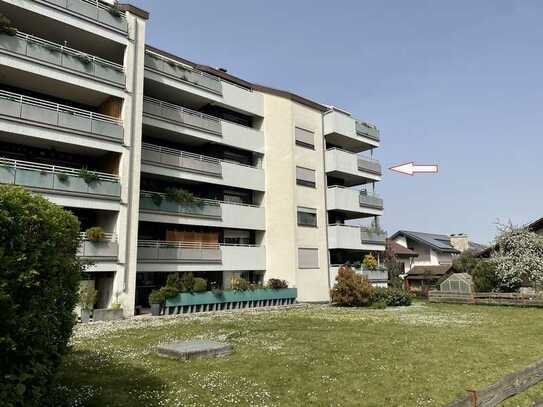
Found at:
<point>107,314</point>
<point>209,297</point>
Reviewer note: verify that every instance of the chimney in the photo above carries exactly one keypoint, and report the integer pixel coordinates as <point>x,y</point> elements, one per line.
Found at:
<point>460,242</point>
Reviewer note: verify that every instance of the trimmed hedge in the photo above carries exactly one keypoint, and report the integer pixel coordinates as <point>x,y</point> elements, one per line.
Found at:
<point>39,282</point>
<point>392,297</point>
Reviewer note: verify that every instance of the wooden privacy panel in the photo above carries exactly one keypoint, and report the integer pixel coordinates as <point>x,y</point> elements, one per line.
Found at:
<point>191,236</point>
<point>112,107</point>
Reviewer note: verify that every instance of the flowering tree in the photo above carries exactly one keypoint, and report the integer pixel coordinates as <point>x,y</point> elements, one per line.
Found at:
<point>518,257</point>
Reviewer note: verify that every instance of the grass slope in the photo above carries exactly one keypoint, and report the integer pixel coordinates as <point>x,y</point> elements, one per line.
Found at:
<point>423,355</point>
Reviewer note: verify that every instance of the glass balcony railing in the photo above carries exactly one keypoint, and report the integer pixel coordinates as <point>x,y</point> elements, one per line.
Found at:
<point>181,159</point>
<point>171,251</point>
<point>106,248</point>
<point>59,55</point>
<point>372,237</point>
<point>370,200</point>
<point>56,178</point>
<point>183,72</point>
<point>96,10</point>
<point>369,165</point>
<point>367,130</point>
<point>181,115</point>
<point>32,110</point>
<point>158,202</point>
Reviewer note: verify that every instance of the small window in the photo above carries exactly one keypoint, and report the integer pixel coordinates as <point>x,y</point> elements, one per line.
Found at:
<point>305,177</point>
<point>308,258</point>
<point>307,217</point>
<point>304,138</point>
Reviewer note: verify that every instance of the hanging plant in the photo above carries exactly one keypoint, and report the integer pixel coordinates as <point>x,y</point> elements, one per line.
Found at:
<point>6,27</point>
<point>83,58</point>
<point>115,11</point>
<point>62,177</point>
<point>88,176</point>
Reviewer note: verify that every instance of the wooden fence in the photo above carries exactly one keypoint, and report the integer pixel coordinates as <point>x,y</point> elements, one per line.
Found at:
<point>504,388</point>
<point>517,299</point>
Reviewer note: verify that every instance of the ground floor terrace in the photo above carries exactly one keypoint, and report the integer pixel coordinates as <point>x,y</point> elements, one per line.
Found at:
<point>355,357</point>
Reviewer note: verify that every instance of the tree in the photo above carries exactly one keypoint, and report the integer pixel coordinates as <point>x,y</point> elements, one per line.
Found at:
<point>39,282</point>
<point>394,268</point>
<point>351,289</point>
<point>518,257</point>
<point>466,262</point>
<point>485,278</point>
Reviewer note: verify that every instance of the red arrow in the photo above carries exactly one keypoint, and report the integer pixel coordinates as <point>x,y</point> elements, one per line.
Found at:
<point>411,168</point>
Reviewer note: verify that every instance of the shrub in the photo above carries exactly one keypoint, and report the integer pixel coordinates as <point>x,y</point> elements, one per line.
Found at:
<point>240,284</point>
<point>62,177</point>
<point>88,176</point>
<point>392,297</point>
<point>87,297</point>
<point>182,196</point>
<point>466,262</point>
<point>485,278</point>
<point>6,27</point>
<point>39,283</point>
<point>115,10</point>
<point>200,285</point>
<point>277,284</point>
<point>168,292</point>
<point>156,297</point>
<point>187,282</point>
<point>95,233</point>
<point>351,289</point>
<point>369,262</point>
<point>174,280</point>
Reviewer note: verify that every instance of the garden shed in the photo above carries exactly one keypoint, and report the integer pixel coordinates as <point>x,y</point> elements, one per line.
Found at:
<point>457,283</point>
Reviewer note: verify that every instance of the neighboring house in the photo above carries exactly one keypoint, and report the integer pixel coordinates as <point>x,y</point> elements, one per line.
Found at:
<point>186,167</point>
<point>434,256</point>
<point>535,226</point>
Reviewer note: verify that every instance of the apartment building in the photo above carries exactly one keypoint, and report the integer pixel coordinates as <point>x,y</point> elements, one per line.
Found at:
<point>185,167</point>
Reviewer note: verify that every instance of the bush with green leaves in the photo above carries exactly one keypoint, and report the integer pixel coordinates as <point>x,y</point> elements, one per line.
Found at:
<point>200,285</point>
<point>39,284</point>
<point>485,277</point>
<point>6,26</point>
<point>466,262</point>
<point>240,284</point>
<point>276,284</point>
<point>156,297</point>
<point>95,233</point>
<point>89,177</point>
<point>351,289</point>
<point>391,296</point>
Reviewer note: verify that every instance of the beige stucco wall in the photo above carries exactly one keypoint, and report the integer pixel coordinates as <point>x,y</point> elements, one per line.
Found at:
<point>283,236</point>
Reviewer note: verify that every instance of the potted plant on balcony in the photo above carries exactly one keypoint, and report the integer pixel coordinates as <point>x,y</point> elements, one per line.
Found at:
<point>277,284</point>
<point>6,27</point>
<point>95,234</point>
<point>183,196</point>
<point>87,299</point>
<point>63,178</point>
<point>156,198</point>
<point>156,299</point>
<point>115,10</point>
<point>369,262</point>
<point>88,176</point>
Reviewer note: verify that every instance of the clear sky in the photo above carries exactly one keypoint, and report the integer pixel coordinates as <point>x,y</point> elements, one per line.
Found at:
<point>456,83</point>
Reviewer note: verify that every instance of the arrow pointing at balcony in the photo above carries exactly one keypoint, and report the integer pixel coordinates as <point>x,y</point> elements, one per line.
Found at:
<point>411,168</point>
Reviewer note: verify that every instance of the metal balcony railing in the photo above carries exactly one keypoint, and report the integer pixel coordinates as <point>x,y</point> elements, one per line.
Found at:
<point>190,252</point>
<point>56,178</point>
<point>53,114</point>
<point>56,54</point>
<point>181,159</point>
<point>99,249</point>
<point>182,72</point>
<point>99,11</point>
<point>182,115</point>
<point>370,200</point>
<point>369,164</point>
<point>155,201</point>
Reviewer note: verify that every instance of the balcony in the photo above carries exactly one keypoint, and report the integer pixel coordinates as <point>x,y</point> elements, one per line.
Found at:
<point>182,165</point>
<point>156,207</point>
<point>99,250</point>
<point>55,179</point>
<point>177,119</point>
<point>341,129</point>
<point>38,50</point>
<point>97,11</point>
<point>354,203</point>
<point>378,278</point>
<point>353,169</point>
<point>38,112</point>
<point>173,256</point>
<point>202,85</point>
<point>349,237</point>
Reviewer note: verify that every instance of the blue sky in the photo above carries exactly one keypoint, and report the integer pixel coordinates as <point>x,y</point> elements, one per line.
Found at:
<point>455,83</point>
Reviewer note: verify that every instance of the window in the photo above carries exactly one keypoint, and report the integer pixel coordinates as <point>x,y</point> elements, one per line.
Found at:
<point>307,217</point>
<point>304,138</point>
<point>305,177</point>
<point>308,258</point>
<point>232,236</point>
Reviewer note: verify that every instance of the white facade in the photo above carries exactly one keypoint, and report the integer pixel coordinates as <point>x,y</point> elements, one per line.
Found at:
<point>196,170</point>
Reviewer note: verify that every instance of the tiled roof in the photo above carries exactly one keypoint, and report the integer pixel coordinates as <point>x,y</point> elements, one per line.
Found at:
<point>440,243</point>
<point>399,250</point>
<point>430,271</point>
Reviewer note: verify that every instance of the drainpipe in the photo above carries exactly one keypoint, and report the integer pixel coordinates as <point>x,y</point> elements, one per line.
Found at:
<point>325,183</point>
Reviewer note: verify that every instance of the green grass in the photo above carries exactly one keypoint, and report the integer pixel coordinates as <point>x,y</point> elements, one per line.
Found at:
<point>424,355</point>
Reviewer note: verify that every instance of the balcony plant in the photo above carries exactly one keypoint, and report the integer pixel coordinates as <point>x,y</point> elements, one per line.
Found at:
<point>63,178</point>
<point>369,262</point>
<point>277,284</point>
<point>85,59</point>
<point>200,285</point>
<point>115,10</point>
<point>88,176</point>
<point>240,284</point>
<point>157,198</point>
<point>95,233</point>
<point>87,299</point>
<point>6,27</point>
<point>156,299</point>
<point>183,196</point>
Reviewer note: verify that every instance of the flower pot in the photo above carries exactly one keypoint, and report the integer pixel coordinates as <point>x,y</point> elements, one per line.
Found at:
<point>85,315</point>
<point>155,310</point>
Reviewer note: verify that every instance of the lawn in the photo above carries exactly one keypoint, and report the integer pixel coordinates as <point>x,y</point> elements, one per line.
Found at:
<point>423,355</point>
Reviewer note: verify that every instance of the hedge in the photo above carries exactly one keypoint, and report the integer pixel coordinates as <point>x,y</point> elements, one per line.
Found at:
<point>39,280</point>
